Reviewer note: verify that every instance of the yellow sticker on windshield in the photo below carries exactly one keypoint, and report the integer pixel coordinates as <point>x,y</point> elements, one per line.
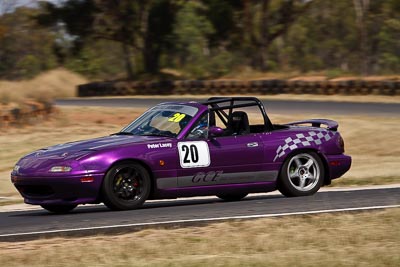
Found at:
<point>177,117</point>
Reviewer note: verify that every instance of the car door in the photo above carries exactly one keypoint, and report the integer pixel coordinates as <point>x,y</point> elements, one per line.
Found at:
<point>221,160</point>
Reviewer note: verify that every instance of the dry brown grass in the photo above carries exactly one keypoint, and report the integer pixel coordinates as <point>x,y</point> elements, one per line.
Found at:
<point>372,142</point>
<point>247,73</point>
<point>337,98</point>
<point>299,97</point>
<point>352,239</point>
<point>55,83</point>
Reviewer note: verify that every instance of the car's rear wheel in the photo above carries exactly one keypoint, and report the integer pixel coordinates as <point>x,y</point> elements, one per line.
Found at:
<point>59,208</point>
<point>301,175</point>
<point>232,197</point>
<point>126,186</point>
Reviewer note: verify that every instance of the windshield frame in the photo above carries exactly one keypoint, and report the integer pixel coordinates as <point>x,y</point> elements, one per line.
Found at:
<point>191,112</point>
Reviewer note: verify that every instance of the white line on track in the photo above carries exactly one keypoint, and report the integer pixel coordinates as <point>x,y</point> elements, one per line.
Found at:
<point>193,221</point>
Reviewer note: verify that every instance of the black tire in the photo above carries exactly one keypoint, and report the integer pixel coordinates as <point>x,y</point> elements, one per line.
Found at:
<point>59,209</point>
<point>126,186</point>
<point>232,197</point>
<point>302,174</point>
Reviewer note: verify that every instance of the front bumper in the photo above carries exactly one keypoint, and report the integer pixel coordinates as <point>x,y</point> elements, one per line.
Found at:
<point>64,190</point>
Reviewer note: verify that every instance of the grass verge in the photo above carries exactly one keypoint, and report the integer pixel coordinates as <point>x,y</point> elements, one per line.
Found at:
<point>294,97</point>
<point>365,181</point>
<point>349,239</point>
<point>11,202</point>
<point>46,86</point>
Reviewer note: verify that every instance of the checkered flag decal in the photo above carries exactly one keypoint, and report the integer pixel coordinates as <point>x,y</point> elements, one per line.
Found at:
<point>303,140</point>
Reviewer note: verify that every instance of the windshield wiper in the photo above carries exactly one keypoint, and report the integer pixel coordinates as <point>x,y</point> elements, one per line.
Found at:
<point>156,134</point>
<point>123,133</point>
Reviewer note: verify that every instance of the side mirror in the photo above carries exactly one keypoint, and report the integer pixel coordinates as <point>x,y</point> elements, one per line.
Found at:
<point>215,131</point>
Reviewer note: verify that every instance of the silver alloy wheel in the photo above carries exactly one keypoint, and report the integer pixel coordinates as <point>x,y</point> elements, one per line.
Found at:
<point>303,172</point>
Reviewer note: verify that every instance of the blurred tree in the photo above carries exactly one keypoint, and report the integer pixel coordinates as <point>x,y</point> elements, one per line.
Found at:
<point>191,34</point>
<point>222,14</point>
<point>138,25</point>
<point>118,21</point>
<point>25,49</point>
<point>319,40</point>
<point>265,21</point>
<point>72,23</point>
<point>204,38</point>
<point>99,60</point>
<point>142,25</point>
<point>383,30</point>
<point>361,8</point>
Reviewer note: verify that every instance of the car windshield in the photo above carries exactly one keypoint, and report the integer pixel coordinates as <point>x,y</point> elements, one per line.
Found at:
<point>162,120</point>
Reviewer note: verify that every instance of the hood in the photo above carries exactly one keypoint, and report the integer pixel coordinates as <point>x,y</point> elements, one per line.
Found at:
<point>71,149</point>
<point>68,154</point>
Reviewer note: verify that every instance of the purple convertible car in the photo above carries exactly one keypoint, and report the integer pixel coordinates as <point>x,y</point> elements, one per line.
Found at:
<point>226,147</point>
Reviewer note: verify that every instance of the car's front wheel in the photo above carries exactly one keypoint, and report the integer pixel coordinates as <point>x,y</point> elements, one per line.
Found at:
<point>301,175</point>
<point>126,186</point>
<point>60,209</point>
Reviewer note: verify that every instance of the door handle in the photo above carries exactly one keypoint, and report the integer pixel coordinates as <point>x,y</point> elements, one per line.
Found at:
<point>254,144</point>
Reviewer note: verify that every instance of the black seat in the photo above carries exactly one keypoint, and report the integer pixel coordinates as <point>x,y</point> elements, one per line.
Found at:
<point>238,124</point>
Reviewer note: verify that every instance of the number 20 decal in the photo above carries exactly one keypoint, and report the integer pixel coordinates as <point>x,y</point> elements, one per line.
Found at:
<point>194,154</point>
<point>191,152</point>
<point>177,117</point>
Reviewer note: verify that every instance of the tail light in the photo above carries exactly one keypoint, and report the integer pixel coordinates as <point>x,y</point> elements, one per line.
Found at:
<point>341,142</point>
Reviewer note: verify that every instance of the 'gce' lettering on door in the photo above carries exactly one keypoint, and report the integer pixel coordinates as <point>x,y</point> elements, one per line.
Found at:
<point>194,154</point>
<point>206,177</point>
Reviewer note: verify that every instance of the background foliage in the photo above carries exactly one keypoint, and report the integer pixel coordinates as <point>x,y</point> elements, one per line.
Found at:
<point>140,39</point>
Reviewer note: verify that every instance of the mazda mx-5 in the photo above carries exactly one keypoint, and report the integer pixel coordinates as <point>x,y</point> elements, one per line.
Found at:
<point>225,146</point>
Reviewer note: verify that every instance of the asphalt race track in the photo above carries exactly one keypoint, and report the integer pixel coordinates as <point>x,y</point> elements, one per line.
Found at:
<point>273,106</point>
<point>26,225</point>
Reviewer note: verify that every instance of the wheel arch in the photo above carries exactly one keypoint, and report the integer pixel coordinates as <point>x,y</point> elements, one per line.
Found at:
<point>327,177</point>
<point>133,160</point>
